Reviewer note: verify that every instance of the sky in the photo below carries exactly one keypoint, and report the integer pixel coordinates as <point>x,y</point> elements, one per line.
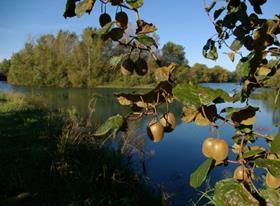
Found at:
<point>183,22</point>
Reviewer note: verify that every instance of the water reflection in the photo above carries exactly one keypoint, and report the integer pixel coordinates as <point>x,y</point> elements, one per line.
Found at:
<point>271,101</point>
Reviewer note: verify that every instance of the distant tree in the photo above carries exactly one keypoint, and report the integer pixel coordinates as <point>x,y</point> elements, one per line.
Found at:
<point>4,66</point>
<point>172,52</point>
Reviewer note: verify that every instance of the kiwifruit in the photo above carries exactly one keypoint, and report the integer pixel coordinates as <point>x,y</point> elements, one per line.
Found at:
<point>122,19</point>
<point>168,121</point>
<point>127,67</point>
<point>141,66</point>
<point>155,131</point>
<point>104,19</point>
<point>241,173</point>
<point>207,147</point>
<point>271,181</point>
<point>116,34</point>
<point>116,2</point>
<point>220,150</point>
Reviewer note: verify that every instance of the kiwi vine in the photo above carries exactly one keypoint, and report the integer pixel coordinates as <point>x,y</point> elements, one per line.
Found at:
<point>239,28</point>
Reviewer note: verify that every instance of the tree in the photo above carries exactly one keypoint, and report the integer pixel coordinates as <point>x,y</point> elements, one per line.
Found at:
<point>172,52</point>
<point>5,66</point>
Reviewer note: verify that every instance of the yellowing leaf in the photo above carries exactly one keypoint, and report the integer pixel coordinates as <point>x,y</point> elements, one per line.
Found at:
<point>158,95</point>
<point>245,116</point>
<point>231,56</point>
<point>84,6</point>
<point>163,73</point>
<point>144,27</point>
<point>201,120</point>
<point>249,121</point>
<point>135,4</point>
<point>263,71</point>
<point>189,114</point>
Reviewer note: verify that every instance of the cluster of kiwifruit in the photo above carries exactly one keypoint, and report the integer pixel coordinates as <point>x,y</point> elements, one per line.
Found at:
<point>156,129</point>
<point>140,66</point>
<point>115,33</point>
<point>121,19</point>
<point>241,173</point>
<point>215,148</point>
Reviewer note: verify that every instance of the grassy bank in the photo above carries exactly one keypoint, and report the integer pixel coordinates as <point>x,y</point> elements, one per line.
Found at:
<point>47,159</point>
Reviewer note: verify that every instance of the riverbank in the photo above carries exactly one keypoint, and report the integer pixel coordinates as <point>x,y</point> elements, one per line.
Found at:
<point>110,86</point>
<point>42,162</point>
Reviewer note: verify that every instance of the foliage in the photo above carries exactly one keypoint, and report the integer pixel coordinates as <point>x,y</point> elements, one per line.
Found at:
<point>4,66</point>
<point>173,53</point>
<point>70,62</point>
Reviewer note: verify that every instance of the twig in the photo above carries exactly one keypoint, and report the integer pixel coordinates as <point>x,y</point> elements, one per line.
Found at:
<point>265,136</point>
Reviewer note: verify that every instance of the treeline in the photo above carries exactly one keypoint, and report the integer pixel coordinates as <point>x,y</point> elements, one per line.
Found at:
<point>67,60</point>
<point>200,73</point>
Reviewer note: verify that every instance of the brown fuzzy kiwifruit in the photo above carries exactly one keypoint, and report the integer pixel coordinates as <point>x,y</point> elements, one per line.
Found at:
<point>220,150</point>
<point>104,19</point>
<point>127,67</point>
<point>141,67</point>
<point>155,131</point>
<point>207,147</point>
<point>271,181</point>
<point>168,121</point>
<point>116,2</point>
<point>116,34</point>
<point>122,19</point>
<point>241,173</point>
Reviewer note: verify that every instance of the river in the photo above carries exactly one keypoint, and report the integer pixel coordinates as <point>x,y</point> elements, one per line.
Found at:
<point>172,160</point>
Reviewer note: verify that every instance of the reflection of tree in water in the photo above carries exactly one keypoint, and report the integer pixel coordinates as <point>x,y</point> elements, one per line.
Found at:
<point>271,103</point>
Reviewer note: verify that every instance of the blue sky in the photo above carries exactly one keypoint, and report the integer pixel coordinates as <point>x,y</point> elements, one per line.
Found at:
<point>183,22</point>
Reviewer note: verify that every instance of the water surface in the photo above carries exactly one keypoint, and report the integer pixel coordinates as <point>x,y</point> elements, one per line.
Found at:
<point>179,153</point>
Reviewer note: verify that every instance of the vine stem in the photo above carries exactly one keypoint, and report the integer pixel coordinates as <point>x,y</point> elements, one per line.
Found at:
<point>265,136</point>
<point>231,161</point>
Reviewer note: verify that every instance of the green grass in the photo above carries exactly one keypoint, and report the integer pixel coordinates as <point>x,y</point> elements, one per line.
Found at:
<point>43,163</point>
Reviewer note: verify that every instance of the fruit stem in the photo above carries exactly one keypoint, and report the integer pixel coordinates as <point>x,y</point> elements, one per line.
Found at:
<point>231,161</point>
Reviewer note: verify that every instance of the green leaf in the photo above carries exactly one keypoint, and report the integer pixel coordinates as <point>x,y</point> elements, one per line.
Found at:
<point>252,153</point>
<point>273,166</point>
<point>275,145</point>
<point>236,45</point>
<point>105,29</point>
<point>197,95</point>
<point>70,8</point>
<point>146,40</point>
<point>229,192</point>
<point>243,67</point>
<point>84,6</point>
<point>209,51</point>
<point>115,61</point>
<point>199,175</point>
<point>113,123</point>
<point>135,4</point>
<point>271,196</point>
